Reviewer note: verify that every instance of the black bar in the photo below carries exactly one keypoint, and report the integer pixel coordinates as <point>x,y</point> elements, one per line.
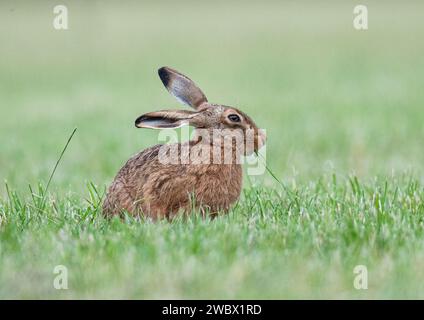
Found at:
<point>202,309</point>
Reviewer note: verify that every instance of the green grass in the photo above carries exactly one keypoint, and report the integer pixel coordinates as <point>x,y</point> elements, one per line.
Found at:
<point>343,110</point>
<point>300,244</point>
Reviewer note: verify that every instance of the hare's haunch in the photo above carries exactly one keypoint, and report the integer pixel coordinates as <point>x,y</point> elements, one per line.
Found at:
<point>203,173</point>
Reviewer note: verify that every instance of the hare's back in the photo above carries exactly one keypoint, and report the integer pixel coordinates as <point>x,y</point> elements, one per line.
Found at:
<point>127,185</point>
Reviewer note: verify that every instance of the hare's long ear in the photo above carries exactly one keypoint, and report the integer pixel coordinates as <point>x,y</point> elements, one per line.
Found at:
<point>165,119</point>
<point>181,87</point>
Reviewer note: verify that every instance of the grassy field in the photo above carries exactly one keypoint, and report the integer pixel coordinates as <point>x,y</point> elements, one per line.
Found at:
<point>343,110</point>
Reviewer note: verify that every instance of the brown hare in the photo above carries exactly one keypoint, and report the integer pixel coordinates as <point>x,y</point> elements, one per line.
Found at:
<point>204,173</point>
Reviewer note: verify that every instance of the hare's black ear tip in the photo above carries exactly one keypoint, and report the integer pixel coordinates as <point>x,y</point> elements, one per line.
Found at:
<point>136,123</point>
<point>139,121</point>
<point>164,75</point>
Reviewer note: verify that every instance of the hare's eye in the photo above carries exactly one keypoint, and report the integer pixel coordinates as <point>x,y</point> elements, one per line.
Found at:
<point>234,118</point>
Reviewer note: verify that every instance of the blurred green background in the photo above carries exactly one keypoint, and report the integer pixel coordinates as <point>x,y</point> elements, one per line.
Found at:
<point>329,96</point>
<point>334,100</point>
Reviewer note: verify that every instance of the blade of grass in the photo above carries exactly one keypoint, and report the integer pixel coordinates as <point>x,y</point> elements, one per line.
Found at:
<point>55,168</point>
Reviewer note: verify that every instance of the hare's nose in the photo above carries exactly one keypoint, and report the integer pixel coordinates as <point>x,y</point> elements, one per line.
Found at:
<point>262,135</point>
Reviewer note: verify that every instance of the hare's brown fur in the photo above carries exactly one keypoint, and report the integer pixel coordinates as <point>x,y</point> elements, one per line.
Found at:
<point>147,186</point>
